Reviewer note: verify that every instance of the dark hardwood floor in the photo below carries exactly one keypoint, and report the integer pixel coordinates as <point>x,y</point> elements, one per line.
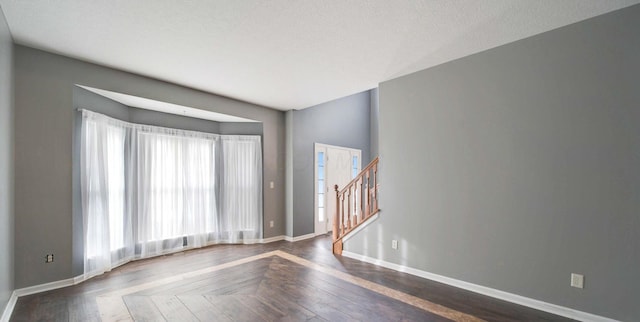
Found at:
<point>281,281</point>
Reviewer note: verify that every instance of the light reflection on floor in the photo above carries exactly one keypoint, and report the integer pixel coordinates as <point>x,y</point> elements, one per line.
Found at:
<point>113,308</point>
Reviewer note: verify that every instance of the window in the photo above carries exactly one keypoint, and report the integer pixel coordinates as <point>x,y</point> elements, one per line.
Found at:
<point>354,166</point>
<point>321,187</point>
<point>150,190</point>
<point>242,166</point>
<point>176,186</point>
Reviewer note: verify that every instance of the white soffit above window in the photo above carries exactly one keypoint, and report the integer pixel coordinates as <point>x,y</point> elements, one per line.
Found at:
<point>284,54</point>
<point>149,104</point>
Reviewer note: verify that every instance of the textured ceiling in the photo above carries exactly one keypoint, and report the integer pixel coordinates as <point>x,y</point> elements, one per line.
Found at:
<point>284,54</point>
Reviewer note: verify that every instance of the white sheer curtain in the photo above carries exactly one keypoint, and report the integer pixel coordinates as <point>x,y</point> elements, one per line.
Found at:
<point>150,190</point>
<point>176,189</point>
<point>106,219</point>
<point>241,188</point>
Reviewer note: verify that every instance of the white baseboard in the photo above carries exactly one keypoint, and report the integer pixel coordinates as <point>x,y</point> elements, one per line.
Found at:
<point>277,238</point>
<point>49,286</point>
<point>272,239</point>
<point>79,279</point>
<point>509,297</point>
<point>8,310</point>
<point>299,238</point>
<point>243,242</point>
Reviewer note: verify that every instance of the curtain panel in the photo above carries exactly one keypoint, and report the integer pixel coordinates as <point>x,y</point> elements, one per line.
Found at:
<point>149,190</point>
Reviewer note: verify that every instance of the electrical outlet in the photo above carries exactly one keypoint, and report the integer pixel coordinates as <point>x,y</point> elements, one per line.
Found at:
<point>577,280</point>
<point>394,244</point>
<point>271,224</point>
<point>271,185</point>
<point>48,258</point>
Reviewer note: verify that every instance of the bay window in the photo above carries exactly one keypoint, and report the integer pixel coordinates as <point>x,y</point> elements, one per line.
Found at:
<point>149,190</point>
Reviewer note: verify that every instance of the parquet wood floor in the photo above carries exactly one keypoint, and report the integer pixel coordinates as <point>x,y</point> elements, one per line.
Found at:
<point>281,281</point>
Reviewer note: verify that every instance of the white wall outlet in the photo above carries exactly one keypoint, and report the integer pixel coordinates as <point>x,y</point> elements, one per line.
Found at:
<point>271,224</point>
<point>394,244</point>
<point>577,280</point>
<point>48,258</point>
<point>271,184</point>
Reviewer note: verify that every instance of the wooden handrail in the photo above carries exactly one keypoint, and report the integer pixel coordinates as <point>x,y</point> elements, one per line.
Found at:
<point>361,196</point>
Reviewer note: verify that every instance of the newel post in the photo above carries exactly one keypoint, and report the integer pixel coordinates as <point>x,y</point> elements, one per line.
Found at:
<point>336,217</point>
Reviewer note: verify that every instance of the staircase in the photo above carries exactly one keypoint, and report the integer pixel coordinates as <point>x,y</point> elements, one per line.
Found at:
<point>356,203</point>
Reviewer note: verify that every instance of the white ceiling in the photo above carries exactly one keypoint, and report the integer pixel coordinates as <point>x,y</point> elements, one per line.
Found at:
<point>285,54</point>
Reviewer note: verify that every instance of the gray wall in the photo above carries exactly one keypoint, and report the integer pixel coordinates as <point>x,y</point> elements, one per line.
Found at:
<point>241,128</point>
<point>342,122</point>
<point>6,163</point>
<point>515,167</point>
<point>44,125</point>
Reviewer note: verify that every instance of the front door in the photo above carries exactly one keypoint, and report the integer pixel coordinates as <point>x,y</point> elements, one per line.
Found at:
<point>334,165</point>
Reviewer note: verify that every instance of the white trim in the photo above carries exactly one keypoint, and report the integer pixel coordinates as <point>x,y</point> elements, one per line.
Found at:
<point>337,147</point>
<point>509,297</point>
<point>299,238</point>
<point>272,239</point>
<point>243,242</point>
<point>367,222</point>
<point>48,286</point>
<point>80,278</point>
<point>8,310</point>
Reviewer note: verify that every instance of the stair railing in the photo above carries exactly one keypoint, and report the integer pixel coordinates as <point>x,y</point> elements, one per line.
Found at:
<point>355,203</point>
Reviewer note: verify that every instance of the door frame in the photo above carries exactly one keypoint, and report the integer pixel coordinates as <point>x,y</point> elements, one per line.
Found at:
<point>329,191</point>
